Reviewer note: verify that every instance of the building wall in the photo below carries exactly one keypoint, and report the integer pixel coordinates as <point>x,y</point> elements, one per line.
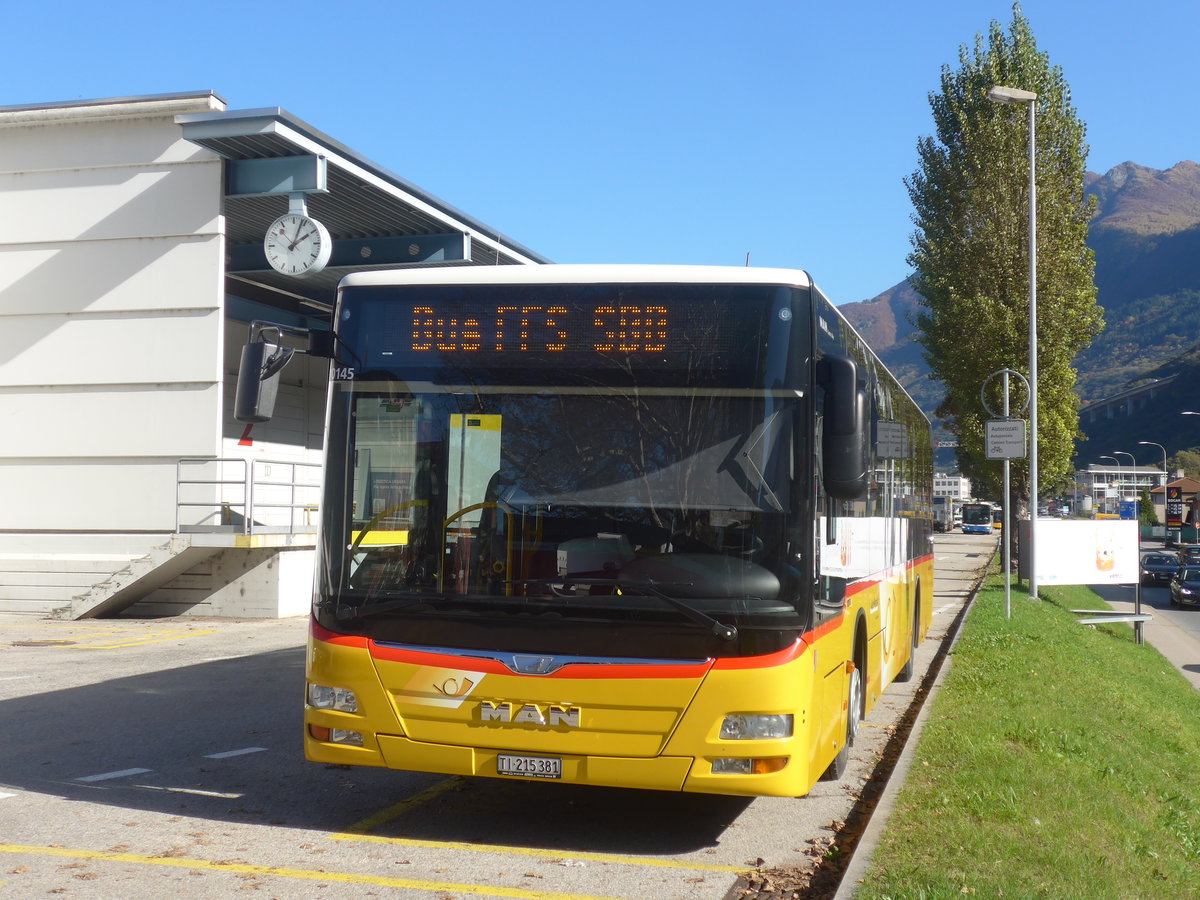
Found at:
<point>111,321</point>
<point>952,486</point>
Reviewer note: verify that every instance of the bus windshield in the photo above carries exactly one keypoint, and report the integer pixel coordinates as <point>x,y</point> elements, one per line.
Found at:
<point>584,488</point>
<point>976,514</point>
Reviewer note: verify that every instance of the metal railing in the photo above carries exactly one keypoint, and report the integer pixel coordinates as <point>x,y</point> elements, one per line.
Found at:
<point>231,495</point>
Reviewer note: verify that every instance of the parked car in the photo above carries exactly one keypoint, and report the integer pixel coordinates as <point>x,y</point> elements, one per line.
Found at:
<point>1158,568</point>
<point>1189,554</point>
<point>1185,587</point>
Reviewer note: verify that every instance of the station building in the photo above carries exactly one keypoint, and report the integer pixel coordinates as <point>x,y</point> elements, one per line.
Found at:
<point>1103,488</point>
<point>131,266</point>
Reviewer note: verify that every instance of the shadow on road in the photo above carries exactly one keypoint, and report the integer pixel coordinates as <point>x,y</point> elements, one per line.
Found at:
<point>169,721</point>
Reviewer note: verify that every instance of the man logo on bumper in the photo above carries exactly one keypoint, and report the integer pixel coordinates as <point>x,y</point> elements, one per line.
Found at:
<point>529,714</point>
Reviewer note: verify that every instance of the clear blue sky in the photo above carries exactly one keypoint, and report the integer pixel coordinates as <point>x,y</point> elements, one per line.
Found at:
<point>632,130</point>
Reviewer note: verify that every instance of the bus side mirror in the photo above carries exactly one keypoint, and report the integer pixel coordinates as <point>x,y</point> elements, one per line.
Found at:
<point>844,434</point>
<point>258,380</point>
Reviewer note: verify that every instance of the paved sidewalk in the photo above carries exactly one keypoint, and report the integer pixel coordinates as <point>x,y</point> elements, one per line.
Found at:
<point>960,565</point>
<point>1179,647</point>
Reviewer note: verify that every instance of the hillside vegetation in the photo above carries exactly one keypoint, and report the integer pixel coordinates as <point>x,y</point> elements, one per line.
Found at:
<point>1146,239</point>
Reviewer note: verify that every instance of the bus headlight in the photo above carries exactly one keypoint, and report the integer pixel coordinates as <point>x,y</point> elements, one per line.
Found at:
<point>748,727</point>
<point>341,699</point>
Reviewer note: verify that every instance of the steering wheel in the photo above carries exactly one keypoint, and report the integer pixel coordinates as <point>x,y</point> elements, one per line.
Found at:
<point>741,540</point>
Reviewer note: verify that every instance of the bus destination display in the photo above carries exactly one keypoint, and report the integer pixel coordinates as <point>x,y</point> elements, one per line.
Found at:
<point>680,329</point>
<point>521,328</point>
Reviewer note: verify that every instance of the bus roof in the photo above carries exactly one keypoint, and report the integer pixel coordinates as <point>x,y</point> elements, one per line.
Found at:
<point>579,274</point>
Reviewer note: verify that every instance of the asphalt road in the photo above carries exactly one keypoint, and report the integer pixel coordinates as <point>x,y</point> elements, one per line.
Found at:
<point>145,758</point>
<point>1174,632</point>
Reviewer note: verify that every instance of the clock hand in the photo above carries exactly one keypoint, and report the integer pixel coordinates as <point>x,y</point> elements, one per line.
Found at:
<point>301,237</point>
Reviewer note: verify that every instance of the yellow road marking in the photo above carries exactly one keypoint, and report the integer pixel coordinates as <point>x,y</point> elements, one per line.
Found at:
<point>80,638</point>
<point>166,636</point>
<point>358,832</point>
<point>360,828</point>
<point>301,874</point>
<point>544,854</point>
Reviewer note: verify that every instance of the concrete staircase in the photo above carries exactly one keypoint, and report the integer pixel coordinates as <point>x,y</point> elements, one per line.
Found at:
<point>157,574</point>
<point>37,582</point>
<point>136,579</point>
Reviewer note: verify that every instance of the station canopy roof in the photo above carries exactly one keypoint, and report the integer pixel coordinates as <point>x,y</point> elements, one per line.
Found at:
<point>377,219</point>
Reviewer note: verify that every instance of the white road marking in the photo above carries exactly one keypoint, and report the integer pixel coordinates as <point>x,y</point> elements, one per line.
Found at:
<point>107,775</point>
<point>198,793</point>
<point>242,752</point>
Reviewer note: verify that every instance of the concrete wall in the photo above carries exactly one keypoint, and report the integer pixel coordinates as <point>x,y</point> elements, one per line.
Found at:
<point>111,335</point>
<point>111,322</point>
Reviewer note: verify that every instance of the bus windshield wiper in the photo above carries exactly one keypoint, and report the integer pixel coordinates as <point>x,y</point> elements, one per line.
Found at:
<point>648,589</point>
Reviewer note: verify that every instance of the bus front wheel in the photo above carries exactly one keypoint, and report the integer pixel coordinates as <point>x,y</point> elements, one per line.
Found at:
<point>854,706</point>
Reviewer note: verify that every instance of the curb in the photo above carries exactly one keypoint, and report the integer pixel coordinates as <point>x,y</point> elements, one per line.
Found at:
<point>864,849</point>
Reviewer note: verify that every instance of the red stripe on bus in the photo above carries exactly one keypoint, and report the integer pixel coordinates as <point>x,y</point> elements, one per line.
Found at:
<point>332,637</point>
<point>441,660</point>
<point>778,658</point>
<point>859,586</point>
<point>577,671</point>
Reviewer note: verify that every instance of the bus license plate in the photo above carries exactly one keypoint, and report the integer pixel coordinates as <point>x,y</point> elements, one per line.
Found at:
<point>529,766</point>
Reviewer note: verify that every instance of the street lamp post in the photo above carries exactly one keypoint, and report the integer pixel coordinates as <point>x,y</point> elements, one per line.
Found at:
<point>1132,473</point>
<point>1008,96</point>
<point>1166,477</point>
<point>1118,462</point>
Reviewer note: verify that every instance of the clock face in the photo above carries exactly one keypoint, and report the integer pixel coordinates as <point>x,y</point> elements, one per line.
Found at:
<point>297,245</point>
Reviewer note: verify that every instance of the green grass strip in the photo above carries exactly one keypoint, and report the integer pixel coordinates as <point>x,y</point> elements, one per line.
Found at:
<point>1058,761</point>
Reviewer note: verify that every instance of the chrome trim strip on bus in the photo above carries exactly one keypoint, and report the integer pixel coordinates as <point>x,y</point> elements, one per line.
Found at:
<point>539,664</point>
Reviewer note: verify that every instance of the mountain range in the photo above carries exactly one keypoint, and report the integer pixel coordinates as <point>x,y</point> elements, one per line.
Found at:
<point>1146,238</point>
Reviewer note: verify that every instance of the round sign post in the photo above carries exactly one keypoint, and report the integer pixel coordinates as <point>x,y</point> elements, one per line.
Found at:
<point>1000,443</point>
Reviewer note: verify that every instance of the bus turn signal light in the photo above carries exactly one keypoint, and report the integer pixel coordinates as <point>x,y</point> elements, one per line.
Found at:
<point>733,766</point>
<point>335,735</point>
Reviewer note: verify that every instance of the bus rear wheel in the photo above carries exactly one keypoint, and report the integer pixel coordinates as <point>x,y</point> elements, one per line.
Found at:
<point>906,673</point>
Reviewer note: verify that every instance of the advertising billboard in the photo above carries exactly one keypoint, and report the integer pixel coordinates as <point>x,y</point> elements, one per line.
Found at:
<point>1103,551</point>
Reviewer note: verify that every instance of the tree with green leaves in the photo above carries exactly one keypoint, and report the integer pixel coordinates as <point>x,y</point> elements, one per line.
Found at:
<point>970,196</point>
<point>1147,514</point>
<point>1186,460</point>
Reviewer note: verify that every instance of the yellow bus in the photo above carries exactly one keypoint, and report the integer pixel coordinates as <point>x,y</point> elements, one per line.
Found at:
<point>652,527</point>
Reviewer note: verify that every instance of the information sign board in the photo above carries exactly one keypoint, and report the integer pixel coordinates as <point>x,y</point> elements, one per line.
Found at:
<point>891,440</point>
<point>1004,439</point>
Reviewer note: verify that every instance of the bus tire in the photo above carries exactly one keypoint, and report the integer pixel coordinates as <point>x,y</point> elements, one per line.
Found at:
<point>854,706</point>
<point>906,673</point>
